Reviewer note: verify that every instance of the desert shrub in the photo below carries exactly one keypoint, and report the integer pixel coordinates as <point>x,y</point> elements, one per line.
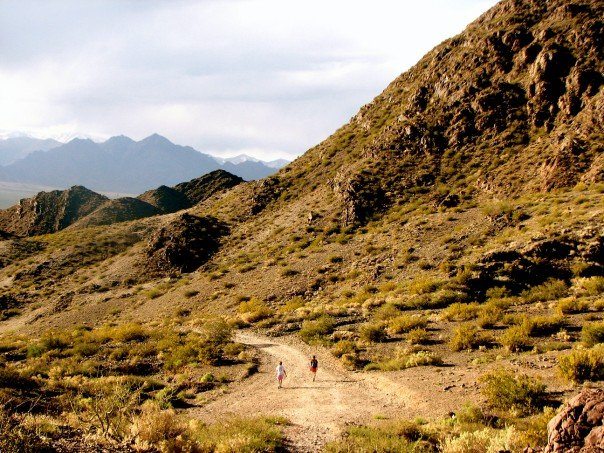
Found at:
<point>373,332</point>
<point>593,286</point>
<point>406,323</point>
<point>470,413</point>
<point>158,428</point>
<point>129,332</point>
<point>245,435</point>
<point>400,436</point>
<point>489,315</point>
<point>461,312</point>
<point>550,290</point>
<point>344,347</point>
<point>466,336</point>
<point>592,334</point>
<point>547,346</point>
<point>424,285</point>
<point>317,329</point>
<point>386,312</point>
<point>571,306</point>
<point>531,431</point>
<point>542,325</point>
<point>484,440</point>
<point>254,310</point>
<point>418,336</point>
<point>191,293</point>
<point>107,407</point>
<point>507,390</point>
<point>583,365</point>
<point>515,339</point>
<point>214,335</point>
<point>497,292</point>
<point>406,358</point>
<point>14,438</point>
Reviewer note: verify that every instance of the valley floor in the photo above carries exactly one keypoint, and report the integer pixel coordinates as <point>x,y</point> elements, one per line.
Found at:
<point>320,411</point>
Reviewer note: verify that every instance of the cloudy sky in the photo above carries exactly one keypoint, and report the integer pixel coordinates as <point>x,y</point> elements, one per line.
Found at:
<point>268,78</point>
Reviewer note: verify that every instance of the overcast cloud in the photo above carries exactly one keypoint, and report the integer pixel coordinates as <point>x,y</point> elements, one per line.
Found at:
<point>269,78</point>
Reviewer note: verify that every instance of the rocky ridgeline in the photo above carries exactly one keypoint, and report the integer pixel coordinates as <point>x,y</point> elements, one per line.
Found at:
<point>78,207</point>
<point>49,212</point>
<point>512,104</point>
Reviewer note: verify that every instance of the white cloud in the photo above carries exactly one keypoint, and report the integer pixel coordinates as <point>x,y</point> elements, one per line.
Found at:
<point>267,77</point>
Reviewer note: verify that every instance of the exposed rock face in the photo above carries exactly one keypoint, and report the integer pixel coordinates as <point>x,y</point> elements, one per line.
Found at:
<point>511,105</point>
<point>202,188</point>
<point>49,212</point>
<point>521,266</point>
<point>184,244</point>
<point>579,427</point>
<point>265,191</point>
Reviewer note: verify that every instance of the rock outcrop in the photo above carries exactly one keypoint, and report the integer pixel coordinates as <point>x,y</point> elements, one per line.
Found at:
<point>579,426</point>
<point>184,244</point>
<point>49,212</point>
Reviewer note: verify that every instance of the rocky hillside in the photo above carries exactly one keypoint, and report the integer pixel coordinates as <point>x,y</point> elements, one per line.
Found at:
<point>48,212</point>
<point>79,207</point>
<point>448,239</point>
<point>510,105</point>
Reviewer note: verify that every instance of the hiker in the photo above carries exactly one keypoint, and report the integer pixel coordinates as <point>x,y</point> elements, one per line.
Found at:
<point>281,374</point>
<point>314,364</point>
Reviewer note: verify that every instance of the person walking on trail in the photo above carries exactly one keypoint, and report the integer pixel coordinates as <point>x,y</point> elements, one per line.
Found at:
<point>281,374</point>
<point>314,364</point>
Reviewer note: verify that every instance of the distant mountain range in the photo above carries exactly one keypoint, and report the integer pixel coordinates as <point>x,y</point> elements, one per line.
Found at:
<point>119,164</point>
<point>15,148</point>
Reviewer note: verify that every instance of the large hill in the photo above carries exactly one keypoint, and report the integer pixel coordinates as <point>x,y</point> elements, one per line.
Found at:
<point>447,244</point>
<point>121,165</point>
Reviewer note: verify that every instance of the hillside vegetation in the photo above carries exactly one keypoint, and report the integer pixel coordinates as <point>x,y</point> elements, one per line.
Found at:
<point>449,237</point>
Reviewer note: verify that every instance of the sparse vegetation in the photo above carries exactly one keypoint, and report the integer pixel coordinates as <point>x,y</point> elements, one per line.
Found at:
<point>509,391</point>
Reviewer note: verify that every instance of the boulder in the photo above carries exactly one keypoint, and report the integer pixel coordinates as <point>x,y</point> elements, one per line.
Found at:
<point>579,426</point>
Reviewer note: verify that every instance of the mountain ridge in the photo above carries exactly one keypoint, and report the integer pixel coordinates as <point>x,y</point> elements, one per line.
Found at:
<point>120,164</point>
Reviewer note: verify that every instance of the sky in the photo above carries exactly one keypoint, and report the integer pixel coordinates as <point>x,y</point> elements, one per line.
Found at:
<point>268,78</point>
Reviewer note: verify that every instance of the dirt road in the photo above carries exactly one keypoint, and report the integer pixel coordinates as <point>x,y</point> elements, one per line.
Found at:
<point>318,410</point>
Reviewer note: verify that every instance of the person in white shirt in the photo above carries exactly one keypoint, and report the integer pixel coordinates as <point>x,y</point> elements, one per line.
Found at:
<point>281,374</point>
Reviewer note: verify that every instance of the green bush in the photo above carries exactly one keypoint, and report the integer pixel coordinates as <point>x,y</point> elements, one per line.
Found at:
<point>593,286</point>
<point>489,316</point>
<point>583,365</point>
<point>344,347</point>
<point>418,336</point>
<point>313,330</point>
<point>550,290</point>
<point>507,390</point>
<point>406,323</point>
<point>515,339</point>
<point>542,325</point>
<point>466,337</point>
<point>254,310</point>
<point>592,334</point>
<point>571,306</point>
<point>461,312</point>
<point>402,436</point>
<point>372,332</point>
<point>245,435</point>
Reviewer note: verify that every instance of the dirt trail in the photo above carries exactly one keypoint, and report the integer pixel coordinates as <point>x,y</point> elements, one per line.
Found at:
<point>318,410</point>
